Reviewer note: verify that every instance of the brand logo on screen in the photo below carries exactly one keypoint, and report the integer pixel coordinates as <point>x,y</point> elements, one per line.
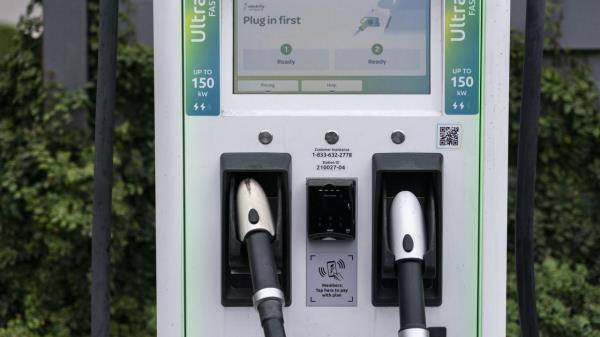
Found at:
<point>253,7</point>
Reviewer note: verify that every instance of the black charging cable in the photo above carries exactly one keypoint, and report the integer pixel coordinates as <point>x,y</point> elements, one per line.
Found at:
<point>264,276</point>
<point>526,167</point>
<point>256,229</point>
<point>104,135</point>
<point>411,295</point>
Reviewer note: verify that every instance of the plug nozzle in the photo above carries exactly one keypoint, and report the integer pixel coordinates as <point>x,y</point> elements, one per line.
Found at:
<point>407,227</point>
<point>408,242</point>
<point>253,210</point>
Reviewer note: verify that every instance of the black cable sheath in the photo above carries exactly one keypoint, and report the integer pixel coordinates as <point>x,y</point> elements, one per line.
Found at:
<point>526,167</point>
<point>263,272</point>
<point>271,318</point>
<point>274,328</point>
<point>263,269</point>
<point>411,299</point>
<point>104,137</point>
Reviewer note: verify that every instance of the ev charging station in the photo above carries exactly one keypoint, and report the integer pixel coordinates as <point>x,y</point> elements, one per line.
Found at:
<point>323,166</point>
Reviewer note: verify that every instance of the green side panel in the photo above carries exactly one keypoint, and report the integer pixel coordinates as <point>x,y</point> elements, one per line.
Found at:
<point>462,62</point>
<point>201,57</point>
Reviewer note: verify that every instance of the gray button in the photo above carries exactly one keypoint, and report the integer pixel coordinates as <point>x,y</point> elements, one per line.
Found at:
<point>332,85</point>
<point>267,86</point>
<point>332,137</point>
<point>398,137</point>
<point>253,216</point>
<point>408,244</point>
<point>265,137</point>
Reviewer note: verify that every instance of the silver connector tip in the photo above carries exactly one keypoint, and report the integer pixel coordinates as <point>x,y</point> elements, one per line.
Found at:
<point>253,211</point>
<point>407,227</point>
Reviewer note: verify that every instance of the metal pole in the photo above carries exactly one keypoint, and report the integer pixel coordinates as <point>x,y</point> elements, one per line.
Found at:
<point>526,166</point>
<point>104,135</point>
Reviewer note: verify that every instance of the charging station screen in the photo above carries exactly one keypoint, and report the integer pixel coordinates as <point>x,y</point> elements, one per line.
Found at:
<point>332,46</point>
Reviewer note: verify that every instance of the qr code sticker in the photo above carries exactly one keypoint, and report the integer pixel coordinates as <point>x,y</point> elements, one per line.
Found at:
<point>449,136</point>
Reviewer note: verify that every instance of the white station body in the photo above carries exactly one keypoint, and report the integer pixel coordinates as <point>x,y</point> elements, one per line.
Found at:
<point>378,77</point>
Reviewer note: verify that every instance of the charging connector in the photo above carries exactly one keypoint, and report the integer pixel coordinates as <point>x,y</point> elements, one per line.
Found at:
<point>256,229</point>
<point>408,243</point>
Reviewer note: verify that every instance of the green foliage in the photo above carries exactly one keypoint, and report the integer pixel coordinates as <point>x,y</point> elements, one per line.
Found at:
<point>567,301</point>
<point>46,173</point>
<point>568,187</point>
<point>7,36</point>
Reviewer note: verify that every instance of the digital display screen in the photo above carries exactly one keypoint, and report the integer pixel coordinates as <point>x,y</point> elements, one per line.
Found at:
<point>332,46</point>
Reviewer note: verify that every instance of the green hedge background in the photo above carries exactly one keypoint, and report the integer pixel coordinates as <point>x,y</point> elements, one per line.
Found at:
<point>46,171</point>
<point>7,36</point>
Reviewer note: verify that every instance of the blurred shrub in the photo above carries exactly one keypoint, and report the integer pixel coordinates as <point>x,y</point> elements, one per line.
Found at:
<point>7,36</point>
<point>567,218</point>
<point>46,171</point>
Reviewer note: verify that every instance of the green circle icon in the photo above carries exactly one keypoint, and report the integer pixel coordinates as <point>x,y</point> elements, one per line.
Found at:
<point>286,49</point>
<point>377,49</point>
